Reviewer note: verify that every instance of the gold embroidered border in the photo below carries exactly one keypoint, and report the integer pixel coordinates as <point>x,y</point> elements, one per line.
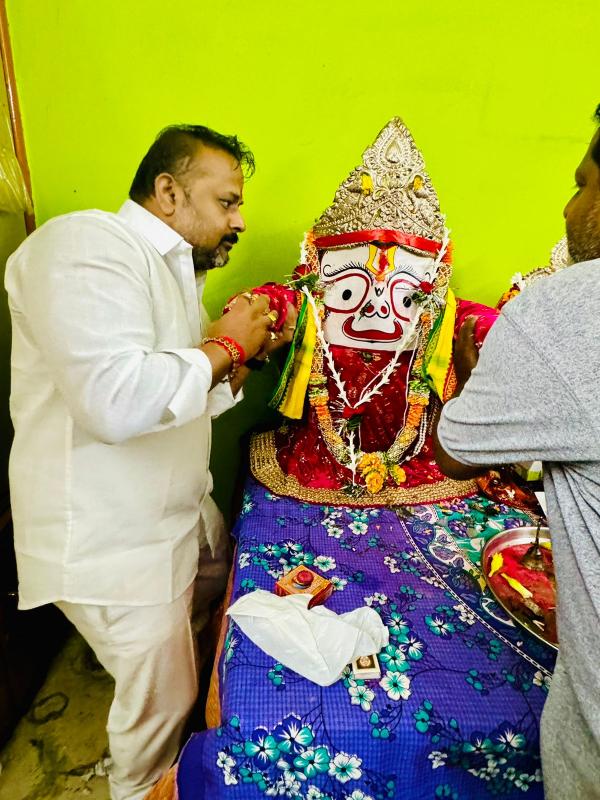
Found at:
<point>265,468</point>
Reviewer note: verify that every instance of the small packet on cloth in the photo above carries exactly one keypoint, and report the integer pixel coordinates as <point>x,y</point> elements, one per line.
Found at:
<point>314,642</point>
<point>366,668</point>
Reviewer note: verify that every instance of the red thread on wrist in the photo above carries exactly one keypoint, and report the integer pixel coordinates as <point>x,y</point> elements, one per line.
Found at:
<point>242,353</point>
<point>234,350</point>
<point>223,346</point>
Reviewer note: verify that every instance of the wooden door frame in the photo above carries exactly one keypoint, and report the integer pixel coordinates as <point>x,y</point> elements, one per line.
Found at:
<point>13,107</point>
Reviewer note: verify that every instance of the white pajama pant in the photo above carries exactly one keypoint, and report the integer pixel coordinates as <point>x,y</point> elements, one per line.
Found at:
<point>150,651</point>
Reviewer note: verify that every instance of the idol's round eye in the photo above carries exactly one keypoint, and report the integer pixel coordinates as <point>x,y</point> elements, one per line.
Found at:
<point>346,292</point>
<point>402,289</point>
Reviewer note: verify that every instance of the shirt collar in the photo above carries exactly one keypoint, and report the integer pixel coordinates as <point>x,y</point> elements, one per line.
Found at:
<point>154,230</point>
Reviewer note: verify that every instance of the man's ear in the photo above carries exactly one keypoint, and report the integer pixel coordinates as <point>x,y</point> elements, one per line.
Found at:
<point>168,193</point>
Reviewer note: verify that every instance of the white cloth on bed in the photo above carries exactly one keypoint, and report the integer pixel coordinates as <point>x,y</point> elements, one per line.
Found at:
<point>315,642</point>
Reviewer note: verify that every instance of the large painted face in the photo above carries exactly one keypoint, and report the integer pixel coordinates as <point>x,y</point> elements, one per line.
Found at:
<point>368,294</point>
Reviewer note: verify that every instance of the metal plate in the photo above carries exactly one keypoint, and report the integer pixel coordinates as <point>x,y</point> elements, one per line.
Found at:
<point>500,542</point>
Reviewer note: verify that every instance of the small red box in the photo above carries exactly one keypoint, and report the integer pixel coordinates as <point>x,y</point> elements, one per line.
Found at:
<point>302,580</point>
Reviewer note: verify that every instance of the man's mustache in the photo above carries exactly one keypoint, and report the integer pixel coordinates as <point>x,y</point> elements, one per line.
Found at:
<point>231,237</point>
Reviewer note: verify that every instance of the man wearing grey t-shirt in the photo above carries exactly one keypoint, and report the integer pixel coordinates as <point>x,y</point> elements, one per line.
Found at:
<point>534,394</point>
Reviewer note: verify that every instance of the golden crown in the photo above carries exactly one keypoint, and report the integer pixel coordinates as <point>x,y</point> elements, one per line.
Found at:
<point>390,190</point>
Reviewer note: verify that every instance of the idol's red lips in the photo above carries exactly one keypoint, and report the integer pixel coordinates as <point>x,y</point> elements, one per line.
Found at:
<point>372,334</point>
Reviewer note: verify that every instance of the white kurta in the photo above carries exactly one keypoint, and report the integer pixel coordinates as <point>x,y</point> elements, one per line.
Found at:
<point>111,406</point>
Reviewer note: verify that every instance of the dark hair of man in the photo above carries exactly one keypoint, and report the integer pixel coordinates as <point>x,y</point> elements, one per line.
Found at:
<point>596,149</point>
<point>173,149</point>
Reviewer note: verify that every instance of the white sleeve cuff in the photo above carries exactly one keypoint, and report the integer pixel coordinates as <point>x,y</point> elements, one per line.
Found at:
<point>221,399</point>
<point>191,400</point>
<point>194,396</point>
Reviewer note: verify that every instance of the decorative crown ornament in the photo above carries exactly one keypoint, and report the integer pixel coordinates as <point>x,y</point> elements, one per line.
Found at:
<point>560,256</point>
<point>389,190</point>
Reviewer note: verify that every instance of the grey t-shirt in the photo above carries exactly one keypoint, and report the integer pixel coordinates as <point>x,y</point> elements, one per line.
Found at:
<point>535,395</point>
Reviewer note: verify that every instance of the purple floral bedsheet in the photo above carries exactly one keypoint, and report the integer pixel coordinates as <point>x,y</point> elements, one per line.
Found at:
<point>456,711</point>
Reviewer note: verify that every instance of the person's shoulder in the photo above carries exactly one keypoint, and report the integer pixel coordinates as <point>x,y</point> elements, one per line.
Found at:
<point>555,316</point>
<point>88,220</point>
<point>576,285</point>
<point>88,229</point>
<point>578,277</point>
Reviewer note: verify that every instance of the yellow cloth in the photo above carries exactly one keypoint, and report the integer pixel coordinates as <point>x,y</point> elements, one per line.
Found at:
<point>292,405</point>
<point>438,363</point>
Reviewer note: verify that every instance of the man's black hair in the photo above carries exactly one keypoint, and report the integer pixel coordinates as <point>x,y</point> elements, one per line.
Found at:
<point>596,148</point>
<point>175,146</point>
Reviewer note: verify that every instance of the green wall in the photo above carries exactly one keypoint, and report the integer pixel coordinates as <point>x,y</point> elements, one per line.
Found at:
<point>498,95</point>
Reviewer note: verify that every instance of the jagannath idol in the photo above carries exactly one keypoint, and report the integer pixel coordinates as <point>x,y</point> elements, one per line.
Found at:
<point>377,321</point>
<point>349,488</point>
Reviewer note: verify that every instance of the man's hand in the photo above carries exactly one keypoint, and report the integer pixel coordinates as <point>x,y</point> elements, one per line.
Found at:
<point>283,337</point>
<point>246,322</point>
<point>466,354</point>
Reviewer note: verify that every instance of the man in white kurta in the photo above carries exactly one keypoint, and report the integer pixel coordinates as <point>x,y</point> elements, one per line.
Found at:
<point>113,390</point>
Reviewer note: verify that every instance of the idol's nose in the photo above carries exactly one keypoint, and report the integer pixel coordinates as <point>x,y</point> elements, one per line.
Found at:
<point>376,308</point>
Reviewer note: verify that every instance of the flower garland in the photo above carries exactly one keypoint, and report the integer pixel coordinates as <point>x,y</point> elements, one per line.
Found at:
<point>340,437</point>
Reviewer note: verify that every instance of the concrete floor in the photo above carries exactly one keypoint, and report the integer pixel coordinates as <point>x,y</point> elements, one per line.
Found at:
<point>59,749</point>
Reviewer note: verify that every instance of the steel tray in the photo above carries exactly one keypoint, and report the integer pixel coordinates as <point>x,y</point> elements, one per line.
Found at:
<point>496,544</point>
